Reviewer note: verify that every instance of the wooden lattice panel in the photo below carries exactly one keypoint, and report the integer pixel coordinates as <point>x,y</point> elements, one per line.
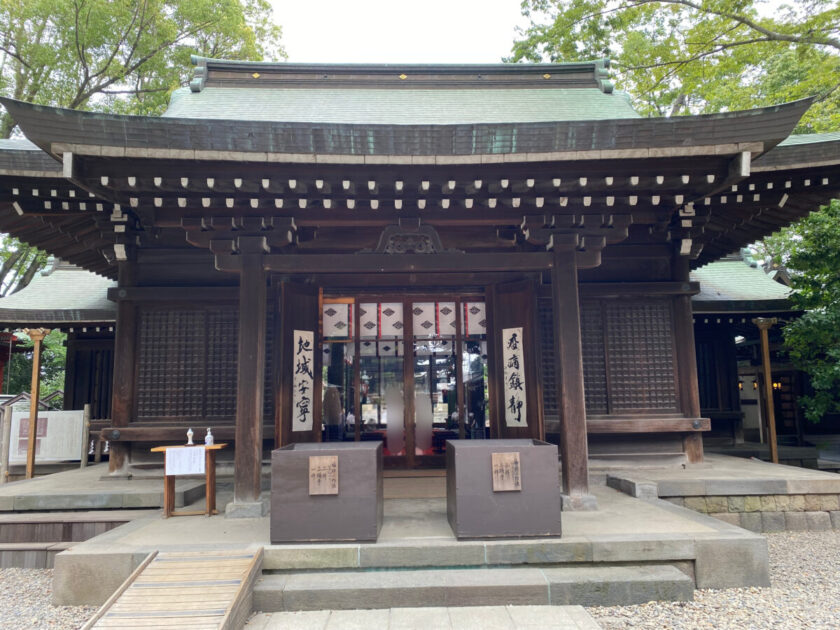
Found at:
<point>594,360</point>
<point>549,365</point>
<point>222,350</point>
<point>187,362</point>
<point>268,392</point>
<point>641,355</point>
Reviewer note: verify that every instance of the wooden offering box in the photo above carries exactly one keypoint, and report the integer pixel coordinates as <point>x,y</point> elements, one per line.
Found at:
<point>502,488</point>
<point>326,492</point>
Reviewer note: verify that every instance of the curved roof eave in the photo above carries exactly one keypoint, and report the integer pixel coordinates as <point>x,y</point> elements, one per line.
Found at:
<point>54,129</point>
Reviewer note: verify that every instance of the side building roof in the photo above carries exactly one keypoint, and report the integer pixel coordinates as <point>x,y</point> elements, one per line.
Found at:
<point>61,296</point>
<point>734,285</point>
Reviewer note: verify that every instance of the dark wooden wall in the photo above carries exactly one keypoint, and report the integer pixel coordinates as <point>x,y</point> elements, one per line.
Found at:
<point>88,376</point>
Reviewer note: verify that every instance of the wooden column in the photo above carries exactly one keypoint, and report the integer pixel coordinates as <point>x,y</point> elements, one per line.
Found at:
<point>251,371</point>
<point>565,302</point>
<point>37,336</point>
<point>765,324</point>
<point>125,360</point>
<point>689,391</point>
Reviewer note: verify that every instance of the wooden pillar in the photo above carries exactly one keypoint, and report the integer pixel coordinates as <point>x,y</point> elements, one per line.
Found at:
<point>37,336</point>
<point>251,372</point>
<point>125,359</point>
<point>765,324</point>
<point>686,354</point>
<point>565,302</point>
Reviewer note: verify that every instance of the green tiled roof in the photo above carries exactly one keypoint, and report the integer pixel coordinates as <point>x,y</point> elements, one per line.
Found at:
<point>399,106</point>
<point>736,281</point>
<point>61,294</point>
<point>810,138</point>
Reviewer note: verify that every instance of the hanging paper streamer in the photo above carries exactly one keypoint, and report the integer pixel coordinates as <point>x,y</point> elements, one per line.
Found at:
<point>303,369</point>
<point>516,409</point>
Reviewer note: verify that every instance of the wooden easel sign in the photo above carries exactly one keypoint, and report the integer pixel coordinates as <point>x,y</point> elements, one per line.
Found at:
<point>507,472</point>
<point>189,460</point>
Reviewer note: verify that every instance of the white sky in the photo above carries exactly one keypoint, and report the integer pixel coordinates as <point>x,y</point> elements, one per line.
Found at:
<point>398,31</point>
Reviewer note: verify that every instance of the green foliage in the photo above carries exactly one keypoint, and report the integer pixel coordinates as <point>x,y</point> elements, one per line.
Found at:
<point>18,264</point>
<point>810,249</point>
<point>53,356</point>
<point>122,56</point>
<point>699,56</point>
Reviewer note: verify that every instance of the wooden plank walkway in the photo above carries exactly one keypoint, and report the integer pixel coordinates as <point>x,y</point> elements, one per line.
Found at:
<point>194,590</point>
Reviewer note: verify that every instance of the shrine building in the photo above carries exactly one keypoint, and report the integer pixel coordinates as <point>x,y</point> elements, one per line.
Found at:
<point>406,253</point>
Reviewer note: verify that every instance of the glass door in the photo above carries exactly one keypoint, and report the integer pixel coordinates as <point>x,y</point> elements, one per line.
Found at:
<point>408,371</point>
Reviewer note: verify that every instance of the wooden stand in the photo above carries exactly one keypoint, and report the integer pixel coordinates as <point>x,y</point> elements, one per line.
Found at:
<point>210,484</point>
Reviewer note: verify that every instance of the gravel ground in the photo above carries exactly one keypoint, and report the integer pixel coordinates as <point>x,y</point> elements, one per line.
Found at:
<point>804,571</point>
<point>25,596</point>
<point>805,594</point>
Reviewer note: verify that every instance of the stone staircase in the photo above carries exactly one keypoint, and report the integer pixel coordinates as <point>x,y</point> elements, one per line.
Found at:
<point>31,540</point>
<point>435,575</point>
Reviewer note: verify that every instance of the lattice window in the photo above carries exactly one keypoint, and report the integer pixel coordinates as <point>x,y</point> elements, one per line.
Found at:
<point>268,391</point>
<point>640,350</point>
<point>549,365</point>
<point>222,350</point>
<point>594,361</point>
<point>187,362</point>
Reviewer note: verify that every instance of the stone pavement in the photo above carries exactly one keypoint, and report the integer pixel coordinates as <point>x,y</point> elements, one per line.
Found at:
<point>92,489</point>
<point>466,618</point>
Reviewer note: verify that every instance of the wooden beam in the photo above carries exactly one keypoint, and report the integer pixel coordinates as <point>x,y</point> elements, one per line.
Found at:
<point>251,377</point>
<point>37,336</point>
<point>173,294</point>
<point>647,425</point>
<point>635,289</point>
<point>125,355</point>
<point>160,432</point>
<point>686,360</point>
<point>764,325</point>
<point>394,263</point>
<point>569,356</point>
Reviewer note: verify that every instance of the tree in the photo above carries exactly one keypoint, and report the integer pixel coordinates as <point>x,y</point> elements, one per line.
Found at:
<point>810,249</point>
<point>18,264</point>
<point>699,56</point>
<point>122,56</point>
<point>53,357</point>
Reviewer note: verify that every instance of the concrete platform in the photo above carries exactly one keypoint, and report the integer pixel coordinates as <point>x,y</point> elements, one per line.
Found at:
<point>485,617</point>
<point>91,489</point>
<point>726,475</point>
<point>416,535</point>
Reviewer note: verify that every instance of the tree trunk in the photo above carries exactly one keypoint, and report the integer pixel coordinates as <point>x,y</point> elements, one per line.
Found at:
<point>9,265</point>
<point>34,266</point>
<point>678,105</point>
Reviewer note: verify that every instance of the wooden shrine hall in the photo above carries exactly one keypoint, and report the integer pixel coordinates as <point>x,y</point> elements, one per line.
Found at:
<point>406,253</point>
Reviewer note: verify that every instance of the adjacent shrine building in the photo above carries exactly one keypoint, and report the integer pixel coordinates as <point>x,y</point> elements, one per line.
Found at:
<point>406,253</point>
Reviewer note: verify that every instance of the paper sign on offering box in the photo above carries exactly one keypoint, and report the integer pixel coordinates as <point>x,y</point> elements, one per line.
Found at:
<point>185,461</point>
<point>507,472</point>
<point>516,408</point>
<point>303,384</point>
<point>323,474</point>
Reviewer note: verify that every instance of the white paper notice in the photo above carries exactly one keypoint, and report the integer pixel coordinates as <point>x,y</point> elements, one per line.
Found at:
<point>516,409</point>
<point>303,385</point>
<point>185,461</point>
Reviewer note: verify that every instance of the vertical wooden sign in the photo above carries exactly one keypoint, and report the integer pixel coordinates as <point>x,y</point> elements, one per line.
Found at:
<point>516,406</point>
<point>303,383</point>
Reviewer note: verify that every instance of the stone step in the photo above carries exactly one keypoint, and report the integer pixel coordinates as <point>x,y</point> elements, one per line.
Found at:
<point>600,585</point>
<point>31,555</point>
